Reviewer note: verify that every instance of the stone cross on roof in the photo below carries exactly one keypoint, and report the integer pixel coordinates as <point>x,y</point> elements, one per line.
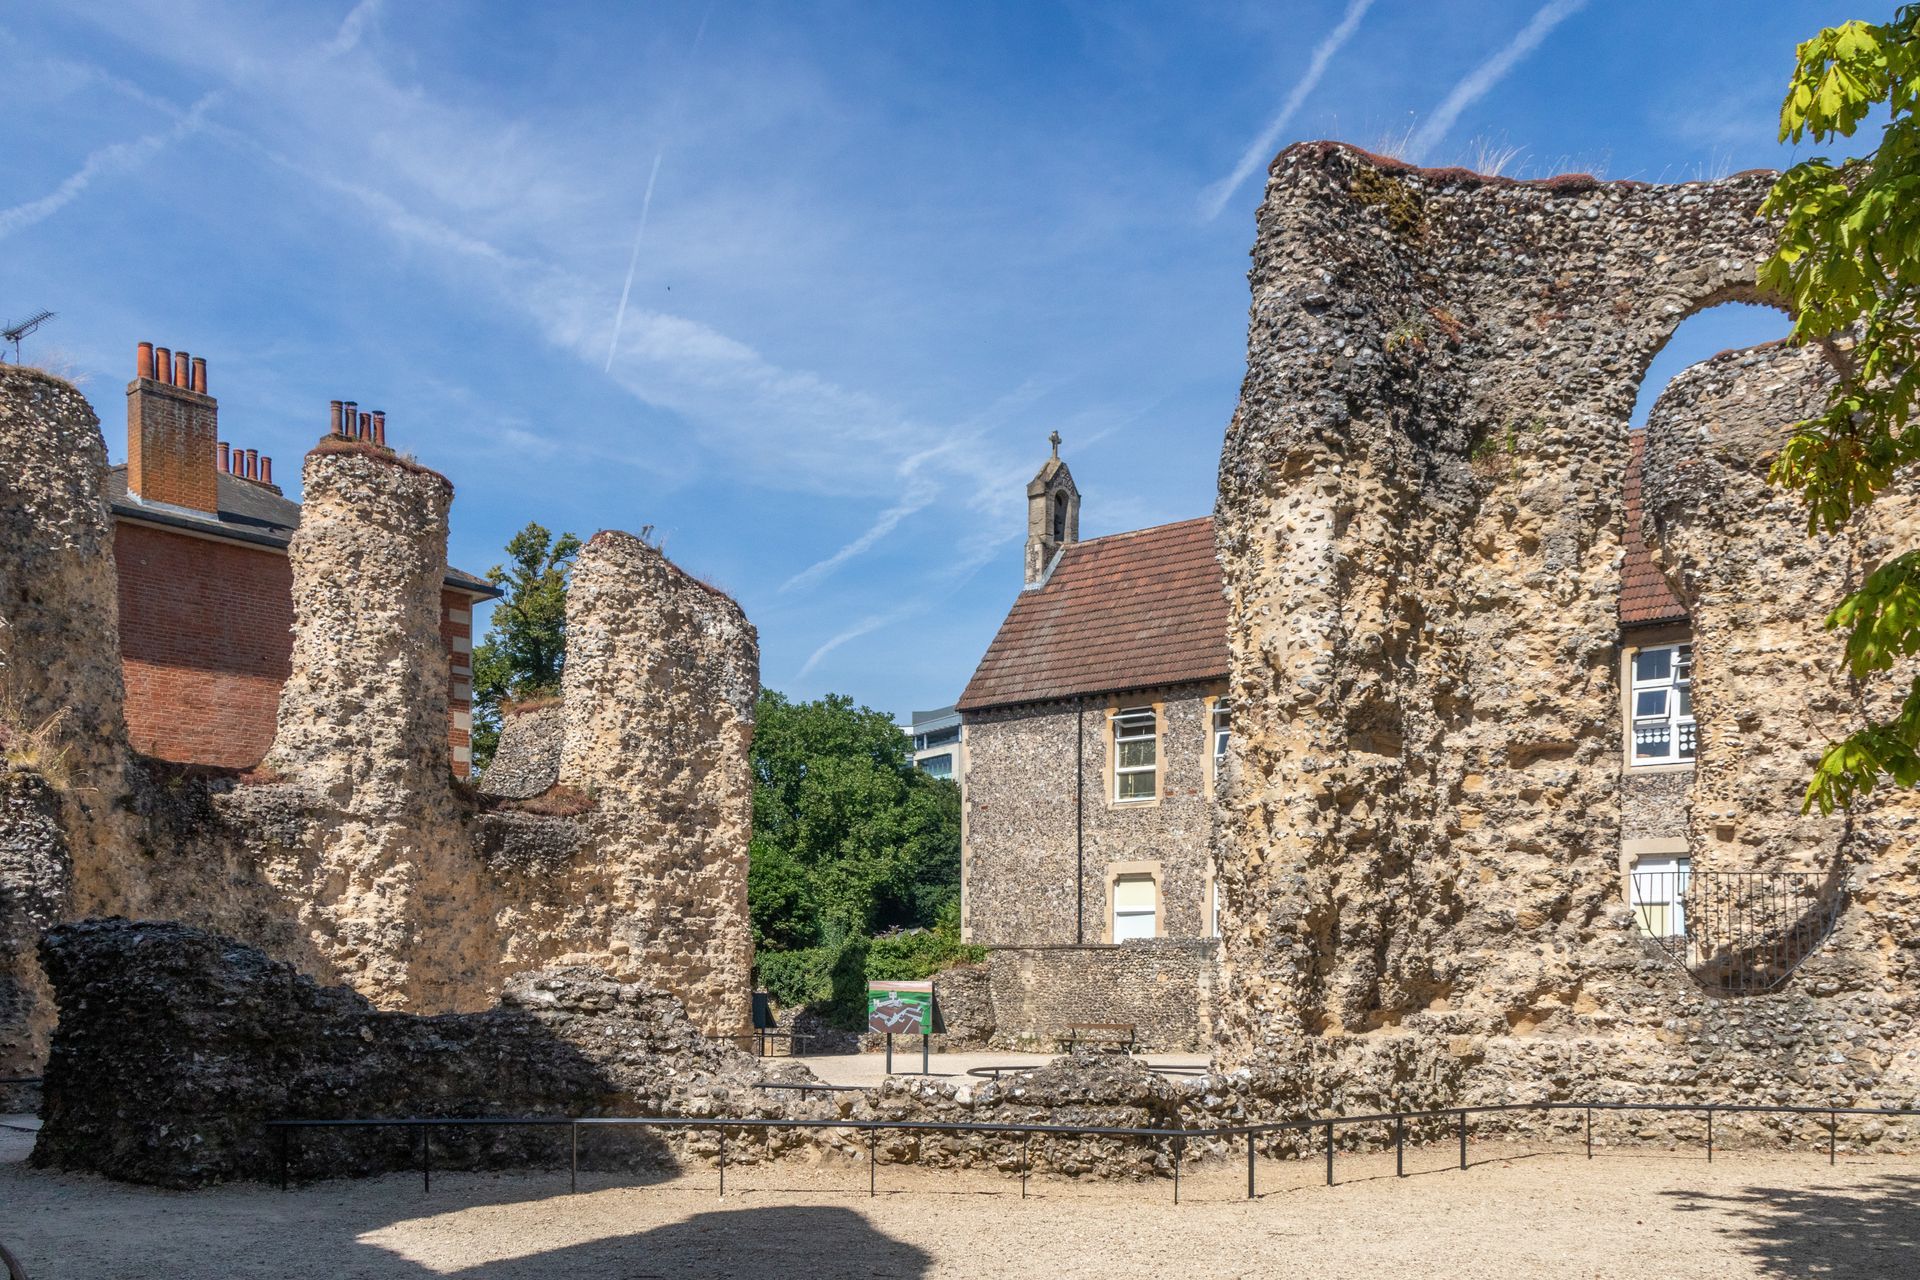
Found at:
<point>1053,438</point>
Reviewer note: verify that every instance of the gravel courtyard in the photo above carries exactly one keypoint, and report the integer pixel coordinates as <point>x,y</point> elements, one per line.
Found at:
<point>1515,1213</point>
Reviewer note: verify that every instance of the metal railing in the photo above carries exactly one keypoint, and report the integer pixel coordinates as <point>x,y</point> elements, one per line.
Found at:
<point>1738,932</point>
<point>1176,1138</point>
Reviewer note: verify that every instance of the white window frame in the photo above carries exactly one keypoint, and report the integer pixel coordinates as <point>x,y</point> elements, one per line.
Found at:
<point>1151,915</point>
<point>1658,883</point>
<point>1128,723</point>
<point>1213,908</point>
<point>1673,718</point>
<point>1220,729</point>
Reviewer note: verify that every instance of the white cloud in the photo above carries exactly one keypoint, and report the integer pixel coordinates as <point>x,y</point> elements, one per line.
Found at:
<point>1478,82</point>
<point>1215,197</point>
<point>118,158</point>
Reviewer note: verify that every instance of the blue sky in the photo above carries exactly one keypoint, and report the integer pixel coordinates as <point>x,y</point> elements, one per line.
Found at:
<point>804,287</point>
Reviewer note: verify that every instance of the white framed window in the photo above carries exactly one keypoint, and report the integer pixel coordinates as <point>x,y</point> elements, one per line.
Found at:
<point>1221,724</point>
<point>1658,892</point>
<point>1660,705</point>
<point>1213,910</point>
<point>1135,910</point>
<point>1136,754</point>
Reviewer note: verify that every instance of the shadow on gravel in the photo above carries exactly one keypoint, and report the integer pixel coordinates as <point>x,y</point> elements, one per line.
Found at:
<point>793,1243</point>
<point>1872,1229</point>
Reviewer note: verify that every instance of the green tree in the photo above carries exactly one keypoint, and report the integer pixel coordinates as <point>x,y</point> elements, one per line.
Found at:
<point>526,643</point>
<point>1848,262</point>
<point>848,837</point>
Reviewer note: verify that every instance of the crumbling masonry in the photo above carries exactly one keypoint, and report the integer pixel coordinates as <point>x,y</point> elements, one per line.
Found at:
<point>1420,528</point>
<point>352,853</point>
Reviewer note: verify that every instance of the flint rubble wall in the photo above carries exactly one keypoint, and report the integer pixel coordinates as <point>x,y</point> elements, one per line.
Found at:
<point>351,853</point>
<point>1419,523</point>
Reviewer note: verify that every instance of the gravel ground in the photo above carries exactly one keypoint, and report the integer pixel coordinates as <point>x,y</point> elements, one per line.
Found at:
<point>1517,1212</point>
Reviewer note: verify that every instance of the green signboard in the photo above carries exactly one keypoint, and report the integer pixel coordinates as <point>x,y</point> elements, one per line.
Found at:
<point>900,1008</point>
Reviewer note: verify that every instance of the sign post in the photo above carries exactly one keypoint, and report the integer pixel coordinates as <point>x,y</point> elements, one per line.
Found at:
<point>902,1008</point>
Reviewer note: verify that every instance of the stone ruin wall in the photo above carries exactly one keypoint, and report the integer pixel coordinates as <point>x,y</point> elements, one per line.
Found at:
<point>351,853</point>
<point>1419,524</point>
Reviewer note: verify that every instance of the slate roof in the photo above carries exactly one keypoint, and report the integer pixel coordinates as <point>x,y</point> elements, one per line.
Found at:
<point>1645,597</point>
<point>1128,611</point>
<point>250,512</point>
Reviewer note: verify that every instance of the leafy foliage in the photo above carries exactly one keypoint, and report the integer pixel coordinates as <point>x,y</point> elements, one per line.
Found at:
<point>848,837</point>
<point>1848,261</point>
<point>526,644</point>
<point>832,980</point>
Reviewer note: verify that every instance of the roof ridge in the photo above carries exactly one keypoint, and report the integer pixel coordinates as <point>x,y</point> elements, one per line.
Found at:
<point>1134,533</point>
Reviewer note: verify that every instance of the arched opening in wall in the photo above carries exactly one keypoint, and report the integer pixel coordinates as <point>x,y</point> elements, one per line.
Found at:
<point>1060,517</point>
<point>1701,336</point>
<point>1742,921</point>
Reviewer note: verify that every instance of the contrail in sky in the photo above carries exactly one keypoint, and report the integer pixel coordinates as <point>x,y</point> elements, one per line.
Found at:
<point>1215,197</point>
<point>646,203</point>
<point>117,158</point>
<point>1488,74</point>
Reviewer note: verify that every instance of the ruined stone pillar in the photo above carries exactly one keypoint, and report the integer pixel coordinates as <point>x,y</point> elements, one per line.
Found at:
<point>661,678</point>
<point>63,844</point>
<point>1419,530</point>
<point>60,690</point>
<point>363,717</point>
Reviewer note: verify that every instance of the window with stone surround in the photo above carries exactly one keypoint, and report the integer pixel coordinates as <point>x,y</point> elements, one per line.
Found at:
<point>1136,753</point>
<point>1219,730</point>
<point>1134,907</point>
<point>1660,726</point>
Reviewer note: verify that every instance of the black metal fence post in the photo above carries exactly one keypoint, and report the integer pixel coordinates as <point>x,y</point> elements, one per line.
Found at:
<point>1589,1133</point>
<point>1463,1139</point>
<point>1399,1146</point>
<point>1709,1135</point>
<point>1329,1153</point>
<point>573,1156</point>
<point>1026,1161</point>
<point>873,1162</point>
<point>1249,1166</point>
<point>283,1157</point>
<point>426,1161</point>
<point>723,1164</point>
<point>1833,1126</point>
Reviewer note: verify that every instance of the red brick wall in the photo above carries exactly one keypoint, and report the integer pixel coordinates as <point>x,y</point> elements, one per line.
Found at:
<point>206,643</point>
<point>205,639</point>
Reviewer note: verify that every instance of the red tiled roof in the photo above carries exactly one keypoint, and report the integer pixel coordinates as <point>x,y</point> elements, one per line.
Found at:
<point>1128,611</point>
<point>1645,597</point>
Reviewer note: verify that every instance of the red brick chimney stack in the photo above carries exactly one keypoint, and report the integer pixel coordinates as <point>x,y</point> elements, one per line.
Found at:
<point>380,426</point>
<point>172,430</point>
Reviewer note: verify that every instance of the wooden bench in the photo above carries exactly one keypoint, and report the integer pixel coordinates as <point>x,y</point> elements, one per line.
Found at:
<point>1099,1035</point>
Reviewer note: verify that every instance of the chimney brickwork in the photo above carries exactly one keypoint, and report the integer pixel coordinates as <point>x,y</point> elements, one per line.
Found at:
<point>172,428</point>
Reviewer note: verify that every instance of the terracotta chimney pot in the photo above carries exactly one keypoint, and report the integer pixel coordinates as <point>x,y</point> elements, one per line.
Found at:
<point>143,360</point>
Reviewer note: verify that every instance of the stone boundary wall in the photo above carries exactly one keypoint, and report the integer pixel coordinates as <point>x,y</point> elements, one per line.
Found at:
<point>1164,986</point>
<point>178,1045</point>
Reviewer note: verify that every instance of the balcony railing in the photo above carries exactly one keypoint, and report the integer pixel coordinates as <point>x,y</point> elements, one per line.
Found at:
<point>1738,932</point>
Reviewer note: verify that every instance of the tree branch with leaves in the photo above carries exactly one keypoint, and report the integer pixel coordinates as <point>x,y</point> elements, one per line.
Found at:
<point>525,649</point>
<point>1848,264</point>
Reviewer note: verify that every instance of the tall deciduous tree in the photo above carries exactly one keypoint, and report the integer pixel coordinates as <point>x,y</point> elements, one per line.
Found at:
<point>1848,262</point>
<point>848,837</point>
<point>526,643</point>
